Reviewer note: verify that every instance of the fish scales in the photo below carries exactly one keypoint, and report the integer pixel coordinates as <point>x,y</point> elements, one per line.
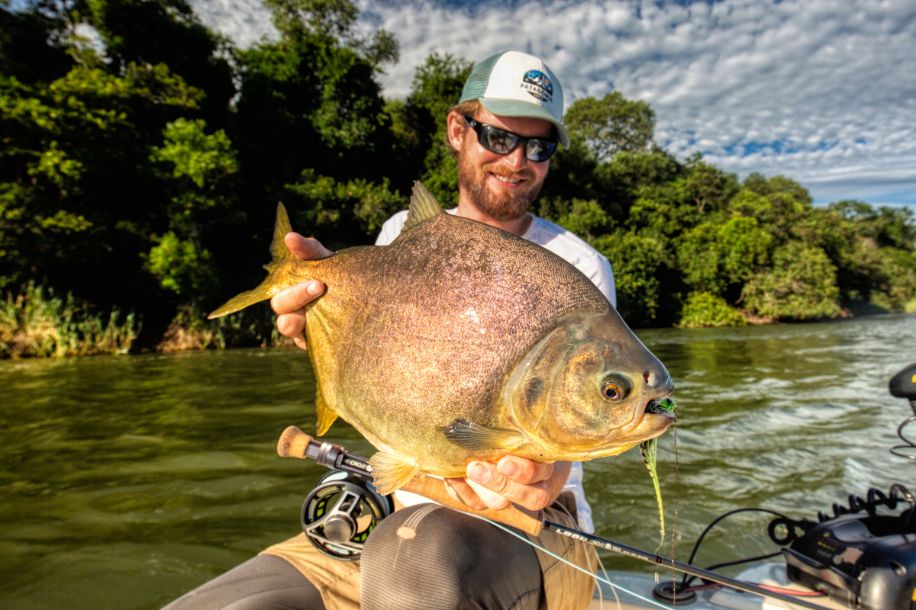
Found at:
<point>459,341</point>
<point>447,328</point>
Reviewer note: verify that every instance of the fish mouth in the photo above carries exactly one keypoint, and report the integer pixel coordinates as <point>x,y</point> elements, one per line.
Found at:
<point>663,406</point>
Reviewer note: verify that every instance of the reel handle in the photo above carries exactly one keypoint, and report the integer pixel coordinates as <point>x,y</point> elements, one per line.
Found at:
<point>296,444</point>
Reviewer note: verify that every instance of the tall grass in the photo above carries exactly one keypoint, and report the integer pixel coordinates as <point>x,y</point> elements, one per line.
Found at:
<point>38,324</point>
<point>191,330</point>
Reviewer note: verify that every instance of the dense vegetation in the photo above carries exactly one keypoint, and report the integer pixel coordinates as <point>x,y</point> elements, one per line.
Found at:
<point>142,157</point>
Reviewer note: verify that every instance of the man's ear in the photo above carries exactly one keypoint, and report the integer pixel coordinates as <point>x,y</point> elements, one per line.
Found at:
<point>455,128</point>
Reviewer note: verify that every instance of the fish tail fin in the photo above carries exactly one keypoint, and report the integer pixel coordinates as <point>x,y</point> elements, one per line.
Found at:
<point>278,271</point>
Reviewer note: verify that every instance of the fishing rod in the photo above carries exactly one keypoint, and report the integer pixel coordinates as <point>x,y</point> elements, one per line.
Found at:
<point>338,521</point>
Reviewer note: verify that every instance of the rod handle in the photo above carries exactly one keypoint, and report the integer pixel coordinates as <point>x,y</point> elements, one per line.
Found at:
<point>293,443</point>
<point>530,522</point>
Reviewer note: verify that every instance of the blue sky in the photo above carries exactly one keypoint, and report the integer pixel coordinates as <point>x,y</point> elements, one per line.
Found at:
<point>821,91</point>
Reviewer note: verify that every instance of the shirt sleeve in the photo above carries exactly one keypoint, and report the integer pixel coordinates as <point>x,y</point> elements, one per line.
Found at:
<point>391,229</point>
<point>597,268</point>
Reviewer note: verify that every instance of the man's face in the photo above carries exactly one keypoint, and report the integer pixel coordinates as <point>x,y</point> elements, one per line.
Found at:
<point>500,186</point>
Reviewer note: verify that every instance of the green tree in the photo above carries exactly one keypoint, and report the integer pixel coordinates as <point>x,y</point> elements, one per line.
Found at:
<point>196,165</point>
<point>436,87</point>
<point>801,285</point>
<point>703,309</point>
<point>611,125</point>
<point>716,256</point>
<point>165,32</point>
<point>339,210</point>
<point>74,153</point>
<point>646,294</point>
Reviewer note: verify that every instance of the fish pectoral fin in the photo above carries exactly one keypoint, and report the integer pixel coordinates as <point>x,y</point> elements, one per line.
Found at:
<point>325,416</point>
<point>391,472</point>
<point>477,436</point>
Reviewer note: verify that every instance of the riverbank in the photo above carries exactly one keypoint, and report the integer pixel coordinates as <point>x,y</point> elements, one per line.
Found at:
<point>38,324</point>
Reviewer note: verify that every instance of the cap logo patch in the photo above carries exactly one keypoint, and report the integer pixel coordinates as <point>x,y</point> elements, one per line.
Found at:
<point>538,85</point>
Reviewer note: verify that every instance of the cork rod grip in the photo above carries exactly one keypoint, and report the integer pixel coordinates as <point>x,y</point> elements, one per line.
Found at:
<point>293,443</point>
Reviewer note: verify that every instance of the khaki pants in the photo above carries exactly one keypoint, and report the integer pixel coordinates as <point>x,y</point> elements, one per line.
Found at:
<point>565,588</point>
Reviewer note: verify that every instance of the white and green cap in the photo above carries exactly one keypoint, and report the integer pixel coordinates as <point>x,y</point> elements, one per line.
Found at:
<point>515,84</point>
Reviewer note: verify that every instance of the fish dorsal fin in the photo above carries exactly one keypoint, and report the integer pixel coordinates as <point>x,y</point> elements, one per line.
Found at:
<point>390,472</point>
<point>423,206</point>
<point>278,249</point>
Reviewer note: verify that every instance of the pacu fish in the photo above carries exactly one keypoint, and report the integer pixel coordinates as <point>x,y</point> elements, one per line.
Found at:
<point>460,341</point>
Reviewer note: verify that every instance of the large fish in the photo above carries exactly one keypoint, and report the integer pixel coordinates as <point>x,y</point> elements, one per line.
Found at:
<point>459,342</point>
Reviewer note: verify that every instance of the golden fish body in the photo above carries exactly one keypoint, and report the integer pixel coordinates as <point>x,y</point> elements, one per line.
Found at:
<point>459,341</point>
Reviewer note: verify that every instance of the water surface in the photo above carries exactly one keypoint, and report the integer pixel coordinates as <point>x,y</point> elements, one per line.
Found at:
<point>125,481</point>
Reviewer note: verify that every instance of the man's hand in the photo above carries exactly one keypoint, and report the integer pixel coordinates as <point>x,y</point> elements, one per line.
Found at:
<point>513,479</point>
<point>289,305</point>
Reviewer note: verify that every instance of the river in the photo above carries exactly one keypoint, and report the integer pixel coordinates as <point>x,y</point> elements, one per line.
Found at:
<point>129,480</point>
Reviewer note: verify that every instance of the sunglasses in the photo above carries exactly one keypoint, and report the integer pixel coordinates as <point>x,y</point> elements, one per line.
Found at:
<point>503,142</point>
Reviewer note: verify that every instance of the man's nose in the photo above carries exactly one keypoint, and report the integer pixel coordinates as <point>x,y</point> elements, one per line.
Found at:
<point>517,158</point>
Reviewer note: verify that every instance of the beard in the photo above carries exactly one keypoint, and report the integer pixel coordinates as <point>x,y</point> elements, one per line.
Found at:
<point>507,205</point>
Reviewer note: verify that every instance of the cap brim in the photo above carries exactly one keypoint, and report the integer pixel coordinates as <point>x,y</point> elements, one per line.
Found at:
<point>515,108</point>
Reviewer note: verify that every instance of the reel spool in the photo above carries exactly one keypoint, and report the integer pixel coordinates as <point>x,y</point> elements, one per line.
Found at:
<point>341,511</point>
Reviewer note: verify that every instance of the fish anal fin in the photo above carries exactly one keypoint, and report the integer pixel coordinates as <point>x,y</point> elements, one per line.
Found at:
<point>390,472</point>
<point>325,416</point>
<point>423,206</point>
<point>479,437</point>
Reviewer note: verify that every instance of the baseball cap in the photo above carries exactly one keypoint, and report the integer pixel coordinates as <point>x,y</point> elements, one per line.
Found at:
<point>516,84</point>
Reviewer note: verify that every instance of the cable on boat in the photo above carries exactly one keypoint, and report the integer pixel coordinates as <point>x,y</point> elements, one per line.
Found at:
<point>635,553</point>
<point>903,385</point>
<point>687,578</point>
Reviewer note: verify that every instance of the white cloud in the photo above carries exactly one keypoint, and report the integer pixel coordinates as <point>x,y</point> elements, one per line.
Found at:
<point>822,91</point>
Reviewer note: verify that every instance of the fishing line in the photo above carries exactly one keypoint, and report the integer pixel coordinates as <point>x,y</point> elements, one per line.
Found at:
<point>573,565</point>
<point>600,565</point>
<point>677,504</point>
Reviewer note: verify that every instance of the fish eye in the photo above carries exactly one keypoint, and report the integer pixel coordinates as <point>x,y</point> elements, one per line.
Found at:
<point>615,389</point>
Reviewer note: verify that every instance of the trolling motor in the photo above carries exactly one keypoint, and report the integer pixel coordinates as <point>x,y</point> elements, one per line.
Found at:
<point>856,556</point>
<point>903,385</point>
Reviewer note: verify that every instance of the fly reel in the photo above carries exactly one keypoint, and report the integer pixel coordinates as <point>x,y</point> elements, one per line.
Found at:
<point>341,511</point>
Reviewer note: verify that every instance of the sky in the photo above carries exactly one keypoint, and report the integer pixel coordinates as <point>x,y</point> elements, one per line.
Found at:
<point>821,91</point>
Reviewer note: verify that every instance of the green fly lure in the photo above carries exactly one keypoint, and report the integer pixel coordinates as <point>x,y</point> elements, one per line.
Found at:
<point>649,451</point>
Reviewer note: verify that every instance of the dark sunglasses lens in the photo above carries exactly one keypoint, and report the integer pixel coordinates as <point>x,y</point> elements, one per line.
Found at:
<point>497,140</point>
<point>503,142</point>
<point>540,150</point>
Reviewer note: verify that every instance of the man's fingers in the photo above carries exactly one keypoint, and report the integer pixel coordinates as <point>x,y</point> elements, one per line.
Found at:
<point>490,498</point>
<point>497,490</point>
<point>305,247</point>
<point>289,306</point>
<point>461,491</point>
<point>291,324</point>
<point>296,297</point>
<point>524,471</point>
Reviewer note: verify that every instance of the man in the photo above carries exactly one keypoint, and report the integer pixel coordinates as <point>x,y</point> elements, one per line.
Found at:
<point>503,131</point>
